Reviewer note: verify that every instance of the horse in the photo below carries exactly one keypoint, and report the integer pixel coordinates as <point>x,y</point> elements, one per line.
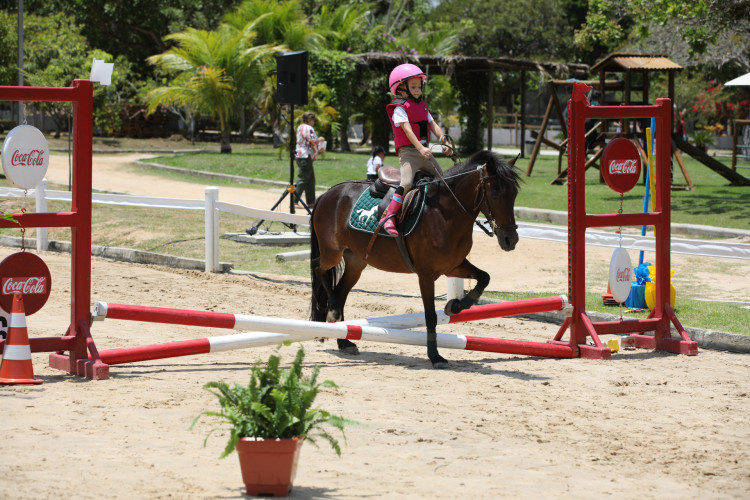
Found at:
<point>438,244</point>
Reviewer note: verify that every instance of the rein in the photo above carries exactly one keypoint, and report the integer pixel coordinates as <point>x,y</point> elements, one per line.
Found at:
<point>479,197</point>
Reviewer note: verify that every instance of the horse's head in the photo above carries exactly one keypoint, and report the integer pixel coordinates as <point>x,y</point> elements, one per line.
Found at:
<point>496,195</point>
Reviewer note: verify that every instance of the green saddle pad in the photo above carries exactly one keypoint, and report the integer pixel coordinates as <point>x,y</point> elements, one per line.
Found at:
<point>364,216</point>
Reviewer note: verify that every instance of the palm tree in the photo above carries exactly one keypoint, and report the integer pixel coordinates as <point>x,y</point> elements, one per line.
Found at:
<point>225,64</point>
<point>276,27</point>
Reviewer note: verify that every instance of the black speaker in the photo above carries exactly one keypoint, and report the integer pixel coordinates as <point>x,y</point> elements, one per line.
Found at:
<point>291,77</point>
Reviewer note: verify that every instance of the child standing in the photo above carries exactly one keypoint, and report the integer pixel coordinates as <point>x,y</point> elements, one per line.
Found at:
<point>412,123</point>
<point>375,162</point>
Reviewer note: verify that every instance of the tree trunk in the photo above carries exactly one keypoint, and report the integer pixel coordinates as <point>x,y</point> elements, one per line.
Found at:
<point>344,136</point>
<point>242,122</point>
<point>365,134</point>
<point>226,146</point>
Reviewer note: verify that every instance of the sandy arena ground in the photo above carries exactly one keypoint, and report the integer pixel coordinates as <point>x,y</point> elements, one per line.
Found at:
<point>642,425</point>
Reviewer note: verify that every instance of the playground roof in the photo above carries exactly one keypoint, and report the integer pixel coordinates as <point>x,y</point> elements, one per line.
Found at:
<point>626,62</point>
<point>446,65</point>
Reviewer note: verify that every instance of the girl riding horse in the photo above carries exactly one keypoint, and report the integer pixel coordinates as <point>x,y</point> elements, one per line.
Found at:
<point>411,122</point>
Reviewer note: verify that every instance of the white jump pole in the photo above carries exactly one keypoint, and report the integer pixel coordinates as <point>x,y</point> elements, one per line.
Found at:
<point>276,330</point>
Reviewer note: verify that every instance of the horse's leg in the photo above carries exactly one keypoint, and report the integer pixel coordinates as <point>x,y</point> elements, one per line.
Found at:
<point>323,277</point>
<point>427,289</point>
<point>467,270</point>
<point>352,271</point>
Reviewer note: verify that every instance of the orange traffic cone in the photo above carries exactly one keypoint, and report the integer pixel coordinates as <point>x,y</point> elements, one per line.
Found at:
<point>607,298</point>
<point>16,367</point>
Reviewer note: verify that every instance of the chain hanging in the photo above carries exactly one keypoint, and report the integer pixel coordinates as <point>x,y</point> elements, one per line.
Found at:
<point>23,211</point>
<point>619,233</point>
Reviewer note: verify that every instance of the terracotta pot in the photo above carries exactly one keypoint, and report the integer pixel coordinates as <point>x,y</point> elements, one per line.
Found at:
<point>268,465</point>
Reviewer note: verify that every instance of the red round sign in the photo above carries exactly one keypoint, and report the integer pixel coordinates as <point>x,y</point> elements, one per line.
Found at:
<point>26,273</point>
<point>621,165</point>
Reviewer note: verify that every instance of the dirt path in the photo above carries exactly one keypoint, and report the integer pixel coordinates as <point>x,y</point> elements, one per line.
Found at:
<point>643,425</point>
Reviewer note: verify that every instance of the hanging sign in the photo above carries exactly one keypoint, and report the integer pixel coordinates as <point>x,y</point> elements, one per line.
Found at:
<point>25,156</point>
<point>28,274</point>
<point>620,275</point>
<point>621,165</point>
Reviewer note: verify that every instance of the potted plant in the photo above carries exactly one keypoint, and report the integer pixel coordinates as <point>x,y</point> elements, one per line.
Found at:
<point>702,139</point>
<point>269,418</point>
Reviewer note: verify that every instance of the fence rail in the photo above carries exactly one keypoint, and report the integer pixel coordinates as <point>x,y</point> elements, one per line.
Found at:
<point>211,207</point>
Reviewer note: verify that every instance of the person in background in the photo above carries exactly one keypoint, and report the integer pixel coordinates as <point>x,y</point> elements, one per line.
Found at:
<point>681,126</point>
<point>375,162</point>
<point>308,144</point>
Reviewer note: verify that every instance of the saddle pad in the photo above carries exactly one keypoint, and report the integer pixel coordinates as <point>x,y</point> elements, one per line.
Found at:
<point>364,216</point>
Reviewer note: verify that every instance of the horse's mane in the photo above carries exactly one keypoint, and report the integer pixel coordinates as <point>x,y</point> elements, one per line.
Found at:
<point>506,172</point>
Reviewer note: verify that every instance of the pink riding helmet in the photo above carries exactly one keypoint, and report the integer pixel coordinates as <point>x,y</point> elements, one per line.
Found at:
<point>403,72</point>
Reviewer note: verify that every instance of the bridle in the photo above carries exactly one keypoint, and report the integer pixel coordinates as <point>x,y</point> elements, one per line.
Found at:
<point>481,196</point>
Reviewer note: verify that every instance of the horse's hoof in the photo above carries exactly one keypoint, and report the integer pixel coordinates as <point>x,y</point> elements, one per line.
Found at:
<point>453,307</point>
<point>334,316</point>
<point>347,346</point>
<point>440,363</point>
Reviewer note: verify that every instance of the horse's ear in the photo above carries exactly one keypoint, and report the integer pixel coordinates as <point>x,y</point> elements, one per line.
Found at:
<point>512,162</point>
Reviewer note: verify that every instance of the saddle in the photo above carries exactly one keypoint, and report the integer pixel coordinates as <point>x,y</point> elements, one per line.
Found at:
<point>389,179</point>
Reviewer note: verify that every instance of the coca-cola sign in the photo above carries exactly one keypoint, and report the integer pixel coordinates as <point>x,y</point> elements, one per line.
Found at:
<point>33,158</point>
<point>24,273</point>
<point>621,165</point>
<point>620,275</point>
<point>26,285</point>
<point>25,156</point>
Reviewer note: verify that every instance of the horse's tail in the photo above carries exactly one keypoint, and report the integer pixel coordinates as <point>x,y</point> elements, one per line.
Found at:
<point>319,302</point>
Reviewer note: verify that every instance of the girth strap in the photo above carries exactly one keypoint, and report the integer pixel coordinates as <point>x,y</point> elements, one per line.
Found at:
<point>400,244</point>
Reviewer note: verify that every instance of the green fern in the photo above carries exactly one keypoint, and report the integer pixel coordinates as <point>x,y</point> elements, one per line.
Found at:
<point>276,404</point>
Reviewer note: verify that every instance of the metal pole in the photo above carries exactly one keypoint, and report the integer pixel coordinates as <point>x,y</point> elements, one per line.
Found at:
<point>20,59</point>
<point>292,139</point>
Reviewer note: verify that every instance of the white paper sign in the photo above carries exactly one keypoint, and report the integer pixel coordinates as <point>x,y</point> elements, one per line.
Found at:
<point>101,72</point>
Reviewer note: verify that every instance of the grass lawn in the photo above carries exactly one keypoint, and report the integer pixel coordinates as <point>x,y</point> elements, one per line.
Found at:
<point>713,202</point>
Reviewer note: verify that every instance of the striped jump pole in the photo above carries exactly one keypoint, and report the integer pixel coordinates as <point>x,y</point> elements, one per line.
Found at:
<point>276,330</point>
<point>103,310</point>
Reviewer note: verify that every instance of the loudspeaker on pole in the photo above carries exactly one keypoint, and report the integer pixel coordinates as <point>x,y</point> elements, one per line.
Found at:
<point>291,77</point>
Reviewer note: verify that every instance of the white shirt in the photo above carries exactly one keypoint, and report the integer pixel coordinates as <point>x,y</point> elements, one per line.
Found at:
<point>307,142</point>
<point>373,164</point>
<point>399,116</point>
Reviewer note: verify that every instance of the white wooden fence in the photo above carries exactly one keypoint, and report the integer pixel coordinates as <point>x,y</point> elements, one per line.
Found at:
<point>212,206</point>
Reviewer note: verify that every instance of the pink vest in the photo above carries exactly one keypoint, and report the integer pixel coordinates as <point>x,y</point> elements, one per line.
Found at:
<point>417,114</point>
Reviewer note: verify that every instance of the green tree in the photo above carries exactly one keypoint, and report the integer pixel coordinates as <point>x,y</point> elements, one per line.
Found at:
<point>134,29</point>
<point>275,23</point>
<point>199,64</point>
<point>8,49</point>
<point>699,22</point>
<point>56,54</point>
<point>510,28</point>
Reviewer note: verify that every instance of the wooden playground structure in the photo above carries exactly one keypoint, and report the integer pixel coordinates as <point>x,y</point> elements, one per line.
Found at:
<point>623,80</point>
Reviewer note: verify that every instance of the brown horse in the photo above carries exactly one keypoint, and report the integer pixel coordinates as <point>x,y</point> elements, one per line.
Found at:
<point>438,245</point>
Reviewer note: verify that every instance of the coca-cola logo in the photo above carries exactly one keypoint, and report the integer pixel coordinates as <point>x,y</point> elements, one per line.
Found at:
<point>623,274</point>
<point>35,157</point>
<point>27,274</point>
<point>621,164</point>
<point>26,285</point>
<point>623,167</point>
